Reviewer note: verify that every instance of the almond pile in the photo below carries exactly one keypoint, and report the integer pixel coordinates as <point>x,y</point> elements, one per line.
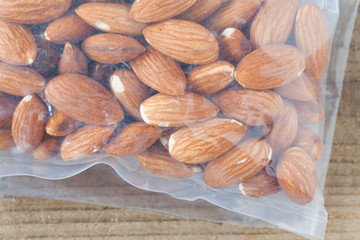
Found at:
<point>224,87</point>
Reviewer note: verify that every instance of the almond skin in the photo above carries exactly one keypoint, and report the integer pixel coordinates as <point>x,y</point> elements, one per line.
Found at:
<point>133,139</point>
<point>83,99</point>
<point>297,176</point>
<point>309,112</point>
<point>69,28</point>
<point>111,48</point>
<point>110,17</point>
<point>251,107</point>
<point>301,89</point>
<point>160,162</point>
<point>233,13</point>
<point>6,140</point>
<point>238,164</point>
<point>48,148</point>
<point>210,78</point>
<point>8,105</point>
<point>17,44</point>
<point>73,61</point>
<point>20,81</point>
<point>234,46</point>
<point>100,72</point>
<point>158,10</point>
<point>175,111</point>
<point>34,11</point>
<point>183,41</point>
<point>205,141</point>
<point>284,130</point>
<point>200,10</point>
<point>310,142</point>
<point>260,185</point>
<point>85,142</point>
<point>28,126</point>
<point>47,56</point>
<point>159,72</point>
<point>312,37</point>
<point>270,67</point>
<point>60,125</point>
<point>273,23</point>
<point>129,90</point>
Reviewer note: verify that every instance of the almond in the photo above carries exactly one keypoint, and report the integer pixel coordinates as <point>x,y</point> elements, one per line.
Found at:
<point>69,28</point>
<point>270,67</point>
<point>34,11</point>
<point>17,43</point>
<point>160,162</point>
<point>284,130</point>
<point>210,78</point>
<point>6,140</point>
<point>83,99</point>
<point>184,41</point>
<point>129,90</point>
<point>110,17</point>
<point>175,111</point>
<point>60,125</point>
<point>85,142</point>
<point>297,176</point>
<point>205,141</point>
<point>310,142</point>
<point>48,148</point>
<point>312,37</point>
<point>8,105</point>
<point>20,81</point>
<point>47,56</point>
<point>301,89</point>
<point>159,72</point>
<point>238,164</point>
<point>100,72</point>
<point>133,139</point>
<point>73,61</point>
<point>158,10</point>
<point>28,126</point>
<point>260,185</point>
<point>200,10</point>
<point>233,13</point>
<point>111,48</point>
<point>273,23</point>
<point>234,46</point>
<point>309,112</point>
<point>250,106</point>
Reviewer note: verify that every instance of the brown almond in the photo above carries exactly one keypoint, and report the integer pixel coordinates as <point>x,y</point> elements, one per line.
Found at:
<point>160,162</point>
<point>270,67</point>
<point>73,61</point>
<point>85,142</point>
<point>129,90</point>
<point>175,111</point>
<point>205,141</point>
<point>100,72</point>
<point>8,105</point>
<point>60,125</point>
<point>158,10</point>
<point>309,112</point>
<point>83,99</point>
<point>250,106</point>
<point>17,43</point>
<point>20,81</point>
<point>200,10</point>
<point>110,17</point>
<point>6,140</point>
<point>28,126</point>
<point>210,78</point>
<point>310,142</point>
<point>159,72</point>
<point>48,148</point>
<point>183,41</point>
<point>47,56</point>
<point>111,48</point>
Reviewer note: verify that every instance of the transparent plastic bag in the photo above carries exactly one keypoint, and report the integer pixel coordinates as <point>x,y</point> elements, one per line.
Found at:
<point>307,220</point>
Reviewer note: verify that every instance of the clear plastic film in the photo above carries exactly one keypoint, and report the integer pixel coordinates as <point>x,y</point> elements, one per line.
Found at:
<point>233,140</point>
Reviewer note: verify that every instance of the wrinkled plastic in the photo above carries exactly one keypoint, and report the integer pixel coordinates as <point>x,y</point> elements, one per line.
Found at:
<point>309,221</point>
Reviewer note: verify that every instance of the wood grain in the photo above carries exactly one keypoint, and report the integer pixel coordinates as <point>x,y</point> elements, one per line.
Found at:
<point>27,218</point>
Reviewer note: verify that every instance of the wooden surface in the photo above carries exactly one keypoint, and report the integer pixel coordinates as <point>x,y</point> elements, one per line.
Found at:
<point>50,219</point>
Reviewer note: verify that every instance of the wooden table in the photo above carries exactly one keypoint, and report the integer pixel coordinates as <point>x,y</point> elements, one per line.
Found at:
<point>54,219</point>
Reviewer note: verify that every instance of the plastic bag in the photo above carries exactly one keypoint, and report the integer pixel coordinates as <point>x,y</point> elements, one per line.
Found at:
<point>307,220</point>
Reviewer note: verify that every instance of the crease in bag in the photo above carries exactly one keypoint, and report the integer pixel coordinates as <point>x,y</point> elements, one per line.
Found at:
<point>127,77</point>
